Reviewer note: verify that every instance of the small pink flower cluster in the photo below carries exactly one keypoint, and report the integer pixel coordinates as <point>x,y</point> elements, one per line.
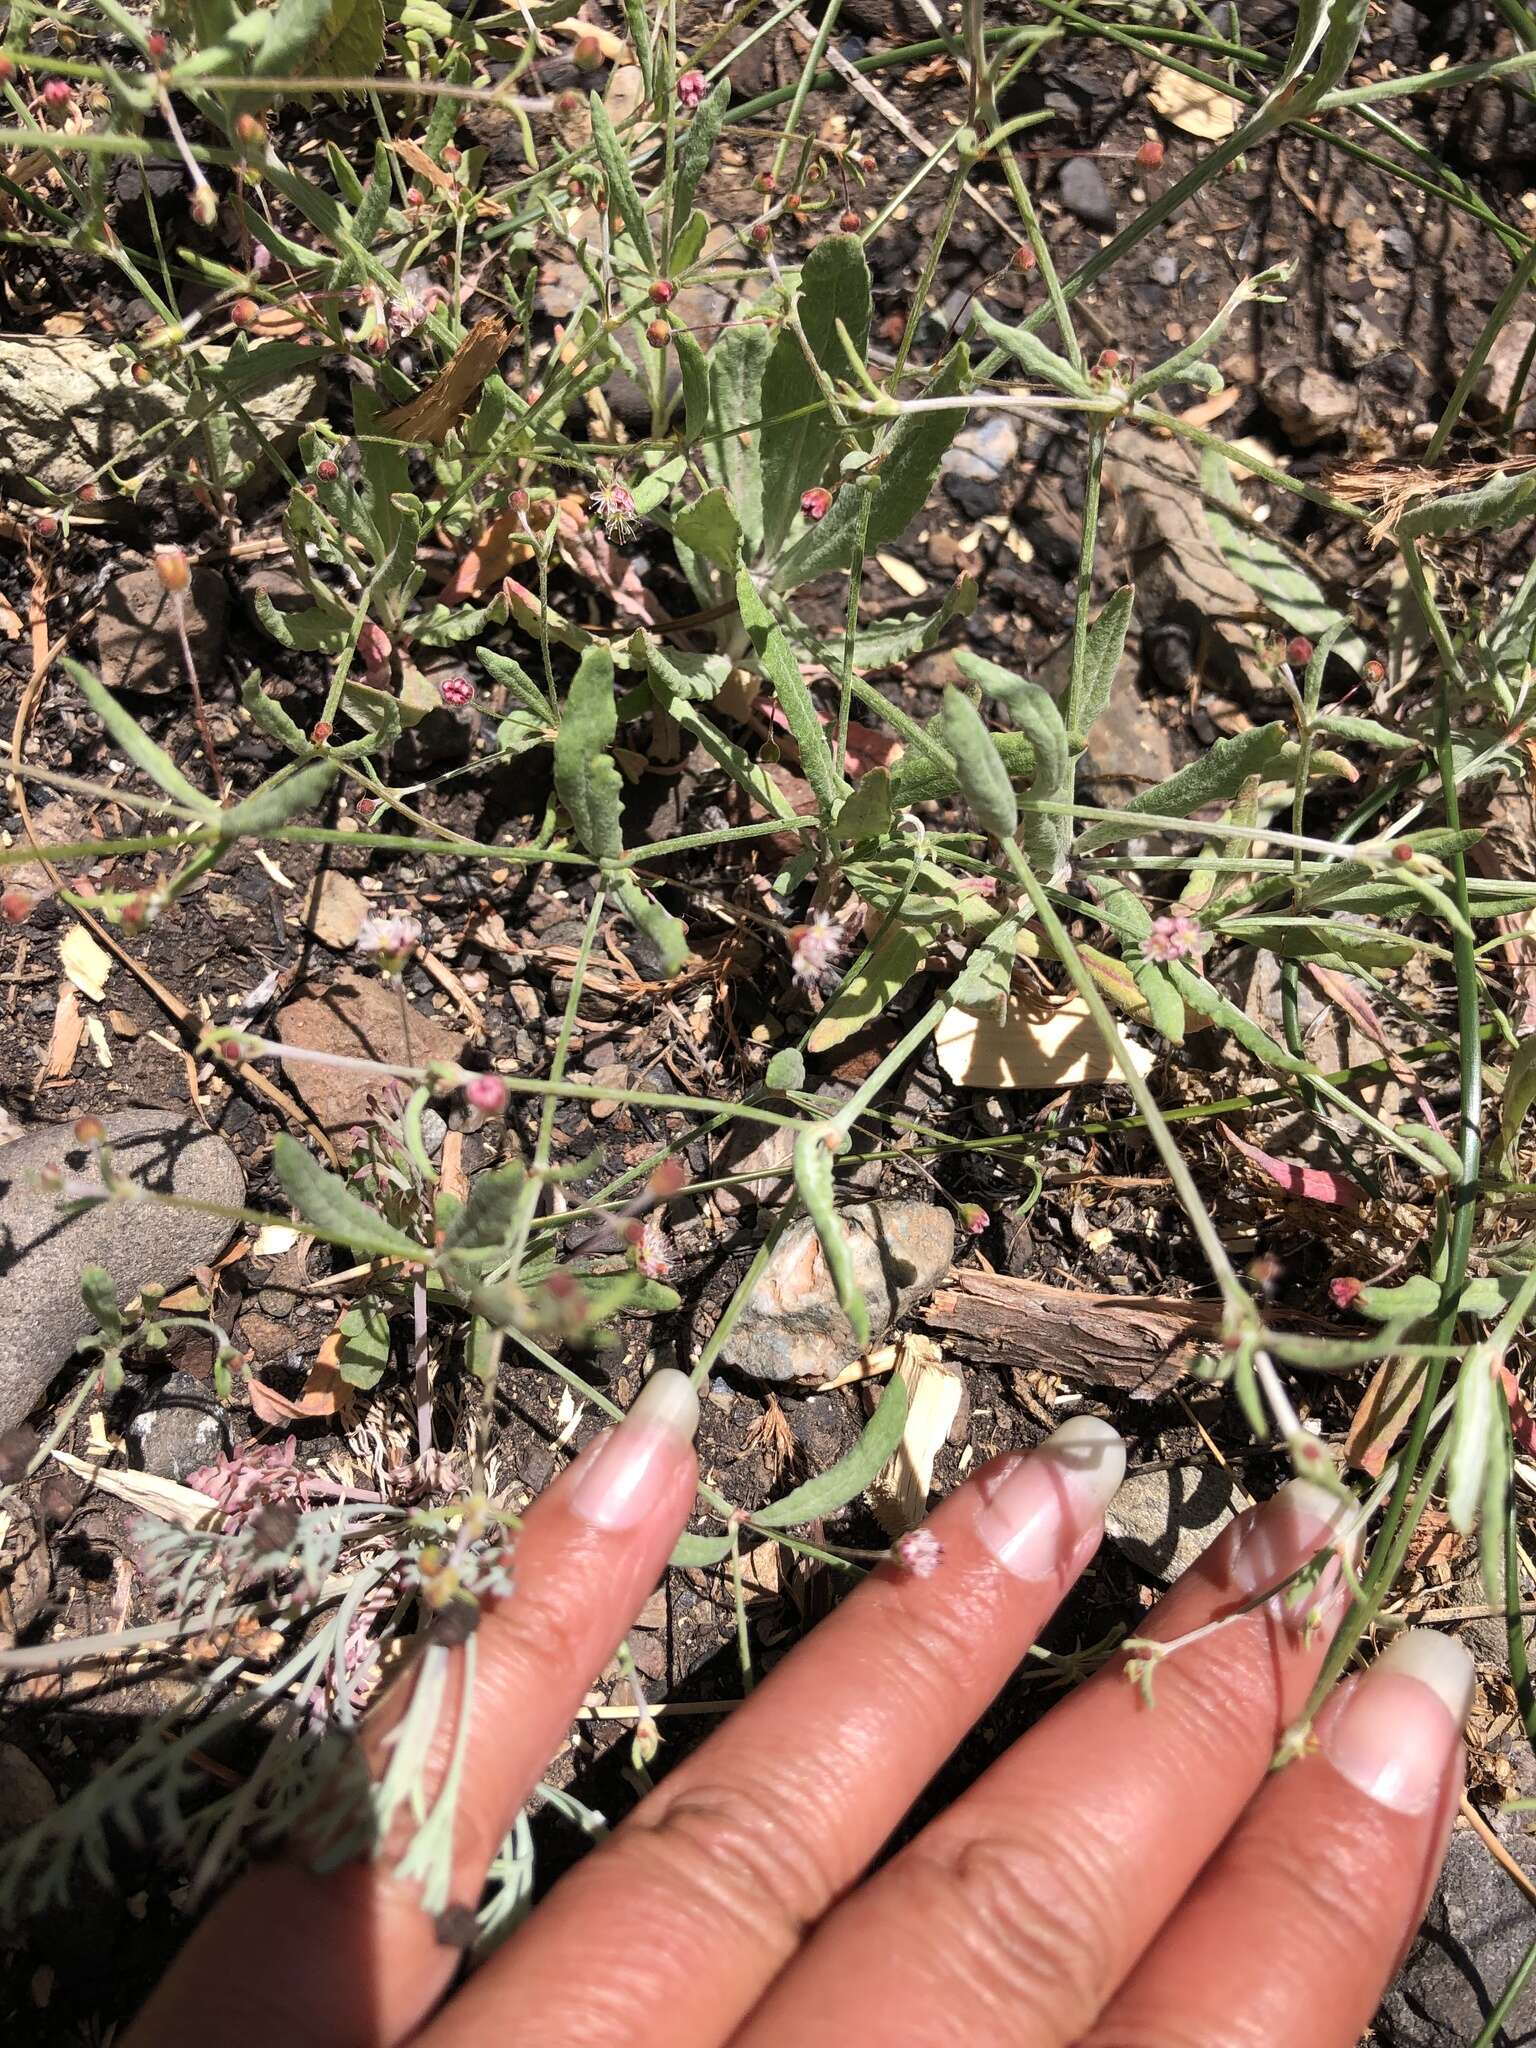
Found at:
<point>816,948</point>
<point>456,691</point>
<point>486,1092</point>
<point>691,89</point>
<point>389,940</point>
<point>615,509</point>
<point>1172,938</point>
<point>920,1552</point>
<point>256,1476</point>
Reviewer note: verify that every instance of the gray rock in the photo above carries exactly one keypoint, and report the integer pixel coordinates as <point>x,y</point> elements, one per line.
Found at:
<point>1474,1934</point>
<point>25,1794</point>
<point>179,1427</point>
<point>1495,385</point>
<point>1309,404</point>
<point>978,463</point>
<point>137,645</point>
<point>42,1251</point>
<point>1164,1520</point>
<point>1084,192</point>
<point>792,1327</point>
<point>1164,270</point>
<point>68,404</point>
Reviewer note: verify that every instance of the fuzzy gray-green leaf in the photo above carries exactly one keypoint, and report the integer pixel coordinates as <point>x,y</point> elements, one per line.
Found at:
<point>848,1478</point>
<point>588,782</point>
<point>984,781</point>
<point>813,1180</point>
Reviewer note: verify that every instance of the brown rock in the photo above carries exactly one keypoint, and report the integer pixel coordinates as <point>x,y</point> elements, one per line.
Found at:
<point>1309,404</point>
<point>137,646</point>
<point>334,909</point>
<point>361,1019</point>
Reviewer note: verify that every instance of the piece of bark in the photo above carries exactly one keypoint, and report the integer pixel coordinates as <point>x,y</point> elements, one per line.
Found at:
<point>1142,1346</point>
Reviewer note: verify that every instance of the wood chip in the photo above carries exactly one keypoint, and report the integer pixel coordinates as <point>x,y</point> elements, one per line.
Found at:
<point>334,909</point>
<point>86,964</point>
<point>433,414</point>
<point>64,1039</point>
<point>1040,1042</point>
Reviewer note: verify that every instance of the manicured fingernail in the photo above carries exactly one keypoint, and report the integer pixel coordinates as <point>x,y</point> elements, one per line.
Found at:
<point>626,1472</point>
<point>1036,1514</point>
<point>1394,1735</point>
<point>1288,1530</point>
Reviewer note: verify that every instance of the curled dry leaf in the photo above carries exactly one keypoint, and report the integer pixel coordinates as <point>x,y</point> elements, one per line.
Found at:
<point>167,1498</point>
<point>1194,106</point>
<point>898,1493</point>
<point>86,964</point>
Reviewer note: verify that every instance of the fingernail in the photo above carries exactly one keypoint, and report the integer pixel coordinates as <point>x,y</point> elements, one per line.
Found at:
<point>1287,1531</point>
<point>1036,1514</point>
<point>1394,1735</point>
<point>626,1472</point>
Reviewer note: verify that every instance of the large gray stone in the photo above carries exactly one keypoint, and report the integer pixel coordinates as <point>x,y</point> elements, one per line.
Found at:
<point>792,1327</point>
<point>42,1250</point>
<point>137,644</point>
<point>1164,1519</point>
<point>68,404</point>
<point>1476,1930</point>
<point>180,1427</point>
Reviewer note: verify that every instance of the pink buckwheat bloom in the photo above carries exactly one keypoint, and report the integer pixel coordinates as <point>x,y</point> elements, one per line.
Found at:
<point>456,691</point>
<point>691,89</point>
<point>816,948</point>
<point>486,1092</point>
<point>1172,938</point>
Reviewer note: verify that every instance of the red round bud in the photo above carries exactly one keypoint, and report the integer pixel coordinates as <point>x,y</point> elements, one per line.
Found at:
<point>868,165</point>
<point>87,494</point>
<point>518,501</point>
<point>47,526</point>
<point>691,90</point>
<point>58,93</point>
<point>850,222</point>
<point>815,502</point>
<point>308,491</point>
<point>1109,359</point>
<point>1402,852</point>
<point>249,130</point>
<point>1150,154</point>
<point>232,1051</point>
<point>452,158</point>
<point>327,470</point>
<point>366,806</point>
<point>245,312</point>
<point>414,196</point>
<point>576,187</point>
<point>1298,650</point>
<point>320,731</point>
<point>662,292</point>
<point>159,46</point>
<point>90,1130</point>
<point>7,69</point>
<point>765,181</point>
<point>793,202</point>
<point>1375,671</point>
<point>173,568</point>
<point>486,1092</point>
<point>658,334</point>
<point>15,906</point>
<point>760,233</point>
<point>588,53</point>
<point>1024,258</point>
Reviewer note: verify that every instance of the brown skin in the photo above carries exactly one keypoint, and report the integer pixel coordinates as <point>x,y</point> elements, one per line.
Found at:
<point>1124,1876</point>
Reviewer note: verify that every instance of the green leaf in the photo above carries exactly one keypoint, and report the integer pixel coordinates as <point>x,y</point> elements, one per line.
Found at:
<point>1106,644</point>
<point>486,1217</point>
<point>126,735</point>
<point>623,198</point>
<point>331,1209</point>
<point>1369,732</point>
<point>983,779</point>
<point>1034,712</point>
<point>821,1498</point>
<point>786,1072</point>
<point>887,642</point>
<point>693,366</point>
<point>915,779</point>
<point>1200,997</point>
<point>317,628</point>
<point>880,973</point>
<point>696,678</point>
<point>813,1179</point>
<point>100,1298</point>
<point>710,528</point>
<point>800,433</point>
<point>782,670</point>
<point>1512,641</point>
<point>501,668</point>
<point>586,779</point>
<point>268,716</point>
<point>984,981</point>
<point>693,151</point>
<point>1518,1095</point>
<point>276,802</point>
<point>867,813</point>
<point>1215,778</point>
<point>1501,502</point>
<point>364,1350</point>
<point>732,452</point>
<point>699,1550</point>
<point>1474,1418</point>
<point>663,930</point>
<point>1032,355</point>
<point>907,466</point>
<point>1280,584</point>
<point>1187,363</point>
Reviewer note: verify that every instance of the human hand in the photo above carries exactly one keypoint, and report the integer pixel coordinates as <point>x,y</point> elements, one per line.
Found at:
<point>1125,1874</point>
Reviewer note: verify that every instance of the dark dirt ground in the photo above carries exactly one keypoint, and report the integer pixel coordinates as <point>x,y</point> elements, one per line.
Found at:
<point>1390,291</point>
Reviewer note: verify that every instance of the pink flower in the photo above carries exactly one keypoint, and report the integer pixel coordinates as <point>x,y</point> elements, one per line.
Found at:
<point>653,1254</point>
<point>974,1218</point>
<point>615,509</point>
<point>816,502</point>
<point>487,1092</point>
<point>691,88</point>
<point>920,1551</point>
<point>390,940</point>
<point>257,1476</point>
<point>816,948</point>
<point>456,691</point>
<point>1172,938</point>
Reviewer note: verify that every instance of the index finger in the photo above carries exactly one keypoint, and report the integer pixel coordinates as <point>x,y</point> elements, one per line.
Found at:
<point>356,1960</point>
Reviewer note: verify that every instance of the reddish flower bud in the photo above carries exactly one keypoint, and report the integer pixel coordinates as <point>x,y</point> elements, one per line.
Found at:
<point>414,196</point>
<point>205,207</point>
<point>456,691</point>
<point>518,501</point>
<point>245,312</point>
<point>159,46</point>
<point>173,568</point>
<point>658,334</point>
<point>691,89</point>
<point>7,69</point>
<point>1402,852</point>
<point>249,130</point>
<point>850,222</point>
<point>815,502</point>
<point>1298,650</point>
<point>452,158</point>
<point>141,375</point>
<point>87,494</point>
<point>47,527</point>
<point>57,93</point>
<point>366,806</point>
<point>588,53</point>
<point>232,1052</point>
<point>974,1218</point>
<point>15,906</point>
<point>1109,359</point>
<point>1150,154</point>
<point>1344,1291</point>
<point>1375,671</point>
<point>662,292</point>
<point>868,166</point>
<point>1024,258</point>
<point>487,1093</point>
<point>760,234</point>
<point>320,731</point>
<point>90,1130</point>
<point>793,202</point>
<point>327,470</point>
<point>765,181</point>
